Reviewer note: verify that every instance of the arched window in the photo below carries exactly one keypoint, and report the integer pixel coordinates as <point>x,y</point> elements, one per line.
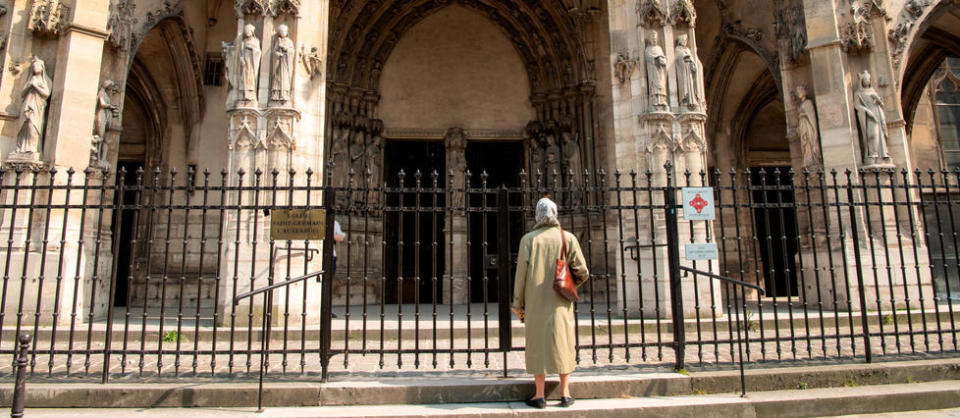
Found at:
<point>947,96</point>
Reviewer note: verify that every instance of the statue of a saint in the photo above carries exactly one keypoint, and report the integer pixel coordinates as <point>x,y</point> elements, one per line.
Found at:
<point>282,72</point>
<point>656,63</point>
<point>551,154</point>
<point>534,147</point>
<point>358,143</point>
<point>35,93</point>
<point>807,129</point>
<point>374,150</point>
<point>242,62</point>
<point>103,120</point>
<point>688,75</point>
<point>571,149</point>
<point>872,122</point>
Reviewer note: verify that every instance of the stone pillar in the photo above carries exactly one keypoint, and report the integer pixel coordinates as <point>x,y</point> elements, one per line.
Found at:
<point>660,112</point>
<point>264,144</point>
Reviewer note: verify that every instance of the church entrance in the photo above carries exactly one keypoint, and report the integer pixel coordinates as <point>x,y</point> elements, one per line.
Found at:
<point>413,226</point>
<point>502,162</point>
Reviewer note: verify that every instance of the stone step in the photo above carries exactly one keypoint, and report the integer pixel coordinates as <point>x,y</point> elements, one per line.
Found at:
<point>422,388</point>
<point>460,329</point>
<point>784,403</point>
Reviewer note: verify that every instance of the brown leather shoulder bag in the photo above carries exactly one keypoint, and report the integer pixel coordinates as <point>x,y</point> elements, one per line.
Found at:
<point>563,280</point>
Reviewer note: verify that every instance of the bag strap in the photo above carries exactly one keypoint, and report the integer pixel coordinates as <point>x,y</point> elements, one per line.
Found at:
<point>563,246</point>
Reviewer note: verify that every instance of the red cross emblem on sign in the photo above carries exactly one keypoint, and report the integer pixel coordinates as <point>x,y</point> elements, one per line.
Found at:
<point>698,203</point>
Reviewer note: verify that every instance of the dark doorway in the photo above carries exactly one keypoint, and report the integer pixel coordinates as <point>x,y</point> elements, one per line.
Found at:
<point>411,219</point>
<point>127,223</point>
<point>502,162</point>
<point>775,218</point>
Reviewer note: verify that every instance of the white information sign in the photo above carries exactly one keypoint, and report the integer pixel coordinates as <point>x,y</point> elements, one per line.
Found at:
<point>698,204</point>
<point>701,252</point>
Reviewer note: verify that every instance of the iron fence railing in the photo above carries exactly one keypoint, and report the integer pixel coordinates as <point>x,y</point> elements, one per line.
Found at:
<point>135,273</point>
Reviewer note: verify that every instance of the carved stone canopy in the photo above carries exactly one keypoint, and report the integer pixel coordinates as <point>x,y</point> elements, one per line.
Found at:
<point>653,13</point>
<point>48,17</point>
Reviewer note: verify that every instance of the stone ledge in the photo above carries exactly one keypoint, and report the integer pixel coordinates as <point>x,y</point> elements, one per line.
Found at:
<point>815,402</point>
<point>449,390</point>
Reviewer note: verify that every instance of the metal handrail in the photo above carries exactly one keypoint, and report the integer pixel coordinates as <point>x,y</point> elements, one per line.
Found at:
<point>724,278</point>
<point>736,307</point>
<point>238,298</point>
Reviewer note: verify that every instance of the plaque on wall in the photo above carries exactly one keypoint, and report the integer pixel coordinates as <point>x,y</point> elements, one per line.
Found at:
<point>298,224</point>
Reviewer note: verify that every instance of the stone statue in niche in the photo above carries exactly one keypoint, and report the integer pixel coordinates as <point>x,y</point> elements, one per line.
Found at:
<point>455,140</point>
<point>534,148</point>
<point>807,129</point>
<point>551,154</point>
<point>656,63</point>
<point>282,72</point>
<point>872,122</point>
<point>103,121</point>
<point>358,142</point>
<point>35,94</point>
<point>343,123</point>
<point>688,75</point>
<point>570,146</point>
<point>242,62</point>
<point>374,150</point>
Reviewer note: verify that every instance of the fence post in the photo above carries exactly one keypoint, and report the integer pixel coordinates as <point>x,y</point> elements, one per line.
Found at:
<point>20,388</point>
<point>855,235</point>
<point>673,264</point>
<point>326,298</point>
<point>503,274</point>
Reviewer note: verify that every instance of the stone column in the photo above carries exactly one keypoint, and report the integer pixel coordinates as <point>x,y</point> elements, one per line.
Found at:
<point>264,142</point>
<point>660,111</point>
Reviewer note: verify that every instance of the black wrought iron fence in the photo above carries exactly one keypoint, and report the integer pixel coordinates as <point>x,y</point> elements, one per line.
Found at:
<point>135,274</point>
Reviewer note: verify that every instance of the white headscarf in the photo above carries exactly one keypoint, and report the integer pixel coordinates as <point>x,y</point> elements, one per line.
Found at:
<point>546,213</point>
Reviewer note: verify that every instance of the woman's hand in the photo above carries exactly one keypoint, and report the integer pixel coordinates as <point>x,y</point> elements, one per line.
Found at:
<point>518,312</point>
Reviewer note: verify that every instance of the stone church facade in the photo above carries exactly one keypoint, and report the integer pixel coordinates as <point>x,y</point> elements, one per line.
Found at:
<point>562,85</point>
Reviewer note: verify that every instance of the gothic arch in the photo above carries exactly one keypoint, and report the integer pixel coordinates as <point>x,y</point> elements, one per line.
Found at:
<point>544,36</point>
<point>920,44</point>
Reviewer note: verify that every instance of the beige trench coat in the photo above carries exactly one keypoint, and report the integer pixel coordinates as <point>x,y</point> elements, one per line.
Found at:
<point>549,322</point>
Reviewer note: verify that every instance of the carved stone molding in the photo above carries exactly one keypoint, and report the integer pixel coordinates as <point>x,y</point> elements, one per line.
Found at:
<point>280,129</point>
<point>251,7</point>
<point>653,13</point>
<point>48,17</point>
<point>478,134</point>
<point>121,24</point>
<point>244,129</point>
<point>683,11</point>
<point>857,34</point>
<point>908,17</point>
<point>282,7</point>
<point>660,140</point>
<point>791,29</point>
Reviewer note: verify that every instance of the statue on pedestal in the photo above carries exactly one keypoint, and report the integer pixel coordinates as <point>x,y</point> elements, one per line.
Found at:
<point>656,63</point>
<point>282,71</point>
<point>103,121</point>
<point>807,129</point>
<point>242,62</point>
<point>872,122</point>
<point>35,94</point>
<point>688,75</point>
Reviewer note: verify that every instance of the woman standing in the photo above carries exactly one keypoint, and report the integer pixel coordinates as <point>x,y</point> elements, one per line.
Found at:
<point>548,317</point>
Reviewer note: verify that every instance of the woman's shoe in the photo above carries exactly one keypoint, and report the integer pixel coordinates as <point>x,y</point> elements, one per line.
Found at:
<point>538,403</point>
<point>567,401</point>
